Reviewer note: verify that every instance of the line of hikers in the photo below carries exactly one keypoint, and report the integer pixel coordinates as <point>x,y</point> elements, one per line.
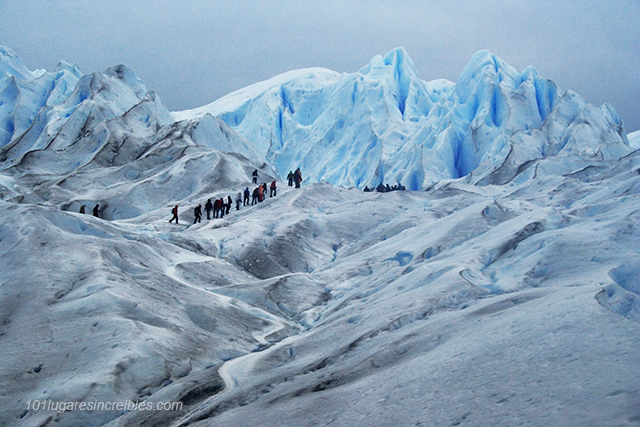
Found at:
<point>385,188</point>
<point>222,206</point>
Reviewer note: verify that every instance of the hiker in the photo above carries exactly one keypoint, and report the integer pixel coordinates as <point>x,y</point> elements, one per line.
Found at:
<point>216,208</point>
<point>222,207</point>
<point>297,177</point>
<point>380,188</point>
<point>96,211</point>
<point>290,178</point>
<point>197,214</point>
<point>264,191</point>
<point>260,193</point>
<point>272,193</point>
<point>174,211</point>
<point>229,203</point>
<point>255,176</point>
<point>247,194</point>
<point>366,189</point>
<point>208,207</point>
<point>254,196</point>
<point>387,188</point>
<point>238,200</point>
<point>82,209</point>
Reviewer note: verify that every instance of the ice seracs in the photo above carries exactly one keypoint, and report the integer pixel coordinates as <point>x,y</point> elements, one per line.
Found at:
<point>384,124</point>
<point>105,138</point>
<point>24,95</point>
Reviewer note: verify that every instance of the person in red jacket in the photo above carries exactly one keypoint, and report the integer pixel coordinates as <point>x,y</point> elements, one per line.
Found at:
<point>174,211</point>
<point>260,193</point>
<point>223,207</point>
<point>272,189</point>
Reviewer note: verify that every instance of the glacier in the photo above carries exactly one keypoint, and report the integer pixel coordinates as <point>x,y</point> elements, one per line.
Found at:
<point>505,292</point>
<point>383,124</point>
<point>62,142</point>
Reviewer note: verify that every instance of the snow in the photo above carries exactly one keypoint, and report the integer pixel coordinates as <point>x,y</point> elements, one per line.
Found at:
<point>634,139</point>
<point>504,293</point>
<point>238,99</point>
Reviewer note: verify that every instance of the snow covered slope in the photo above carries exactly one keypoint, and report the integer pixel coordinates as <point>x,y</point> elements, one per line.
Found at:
<point>384,124</point>
<point>634,139</point>
<point>509,297</point>
<point>103,138</point>
<point>462,305</point>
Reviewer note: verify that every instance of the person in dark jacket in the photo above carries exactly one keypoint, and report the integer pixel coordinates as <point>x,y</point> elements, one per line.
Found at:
<point>290,178</point>
<point>208,207</point>
<point>96,211</point>
<point>174,211</point>
<point>222,207</point>
<point>247,195</point>
<point>297,177</point>
<point>229,203</point>
<point>272,189</point>
<point>255,196</point>
<point>381,188</point>
<point>197,214</point>
<point>82,208</point>
<point>255,176</point>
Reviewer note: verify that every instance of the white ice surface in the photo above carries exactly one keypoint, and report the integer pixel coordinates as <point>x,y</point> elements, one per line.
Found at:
<point>471,305</point>
<point>634,139</point>
<point>507,297</point>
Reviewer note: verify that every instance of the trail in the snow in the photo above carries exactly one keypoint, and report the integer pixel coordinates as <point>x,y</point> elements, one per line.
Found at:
<point>277,323</point>
<point>235,371</point>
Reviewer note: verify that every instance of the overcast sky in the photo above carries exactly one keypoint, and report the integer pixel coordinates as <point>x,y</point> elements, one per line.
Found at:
<point>192,52</point>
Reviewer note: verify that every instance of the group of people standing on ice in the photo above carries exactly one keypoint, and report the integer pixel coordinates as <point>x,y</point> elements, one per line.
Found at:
<point>222,206</point>
<point>294,177</point>
<point>385,188</point>
<point>259,193</point>
<point>96,210</point>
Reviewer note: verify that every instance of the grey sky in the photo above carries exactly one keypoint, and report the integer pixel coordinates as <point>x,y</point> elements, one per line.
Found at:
<point>192,52</point>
